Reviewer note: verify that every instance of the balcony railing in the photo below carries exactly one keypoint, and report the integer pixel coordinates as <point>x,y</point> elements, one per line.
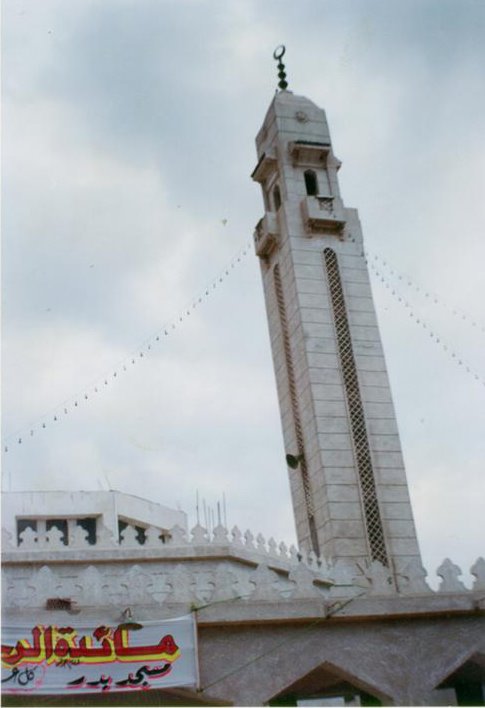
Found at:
<point>266,235</point>
<point>322,214</point>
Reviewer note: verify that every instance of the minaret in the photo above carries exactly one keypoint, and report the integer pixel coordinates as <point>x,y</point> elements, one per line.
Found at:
<point>347,477</point>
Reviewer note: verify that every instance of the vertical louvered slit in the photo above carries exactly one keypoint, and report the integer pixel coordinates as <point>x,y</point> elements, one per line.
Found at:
<point>373,522</point>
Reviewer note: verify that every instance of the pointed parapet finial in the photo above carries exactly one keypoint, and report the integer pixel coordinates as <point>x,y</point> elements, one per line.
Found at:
<point>278,55</point>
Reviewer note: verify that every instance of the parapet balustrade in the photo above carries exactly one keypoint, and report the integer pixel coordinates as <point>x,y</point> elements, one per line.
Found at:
<point>322,213</point>
<point>156,544</point>
<point>325,203</point>
<point>55,539</point>
<point>266,234</point>
<point>199,585</point>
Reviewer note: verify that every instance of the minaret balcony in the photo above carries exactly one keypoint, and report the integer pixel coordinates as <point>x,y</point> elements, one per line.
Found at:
<point>308,152</point>
<point>265,167</point>
<point>266,235</point>
<point>322,214</point>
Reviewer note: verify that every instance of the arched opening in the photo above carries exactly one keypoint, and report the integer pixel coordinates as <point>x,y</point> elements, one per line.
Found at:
<point>276,198</point>
<point>466,685</point>
<point>311,183</point>
<point>328,685</point>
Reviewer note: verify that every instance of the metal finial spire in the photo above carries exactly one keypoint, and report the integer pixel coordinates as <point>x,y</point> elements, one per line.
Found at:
<point>277,55</point>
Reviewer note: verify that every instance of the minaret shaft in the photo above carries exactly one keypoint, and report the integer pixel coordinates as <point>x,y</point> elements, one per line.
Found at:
<point>347,478</point>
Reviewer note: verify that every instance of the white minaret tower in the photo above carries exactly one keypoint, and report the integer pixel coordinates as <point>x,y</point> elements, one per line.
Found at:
<point>347,477</point>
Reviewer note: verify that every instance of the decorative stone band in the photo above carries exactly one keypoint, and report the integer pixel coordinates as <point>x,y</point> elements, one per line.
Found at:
<point>198,583</point>
<point>154,538</point>
<point>215,566</point>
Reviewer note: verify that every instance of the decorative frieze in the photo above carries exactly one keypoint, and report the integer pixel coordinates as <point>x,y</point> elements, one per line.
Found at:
<point>211,567</point>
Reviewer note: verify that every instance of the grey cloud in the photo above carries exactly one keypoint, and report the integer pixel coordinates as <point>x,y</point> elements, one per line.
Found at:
<point>128,135</point>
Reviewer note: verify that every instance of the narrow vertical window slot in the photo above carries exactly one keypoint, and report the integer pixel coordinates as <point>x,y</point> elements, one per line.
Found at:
<point>311,183</point>
<point>296,412</point>
<point>276,198</point>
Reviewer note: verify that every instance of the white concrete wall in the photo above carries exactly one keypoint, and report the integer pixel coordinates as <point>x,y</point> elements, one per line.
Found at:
<point>109,505</point>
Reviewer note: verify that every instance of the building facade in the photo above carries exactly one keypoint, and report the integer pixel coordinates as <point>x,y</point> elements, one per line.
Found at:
<point>348,618</point>
<point>275,625</point>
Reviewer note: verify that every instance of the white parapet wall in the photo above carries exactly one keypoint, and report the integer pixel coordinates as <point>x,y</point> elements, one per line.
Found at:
<point>241,566</point>
<point>254,601</point>
<point>109,507</point>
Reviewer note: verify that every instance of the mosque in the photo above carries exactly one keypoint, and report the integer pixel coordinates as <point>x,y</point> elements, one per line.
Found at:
<point>109,599</point>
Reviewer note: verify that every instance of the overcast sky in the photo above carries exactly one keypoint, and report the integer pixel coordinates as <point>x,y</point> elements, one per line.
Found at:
<point>128,141</point>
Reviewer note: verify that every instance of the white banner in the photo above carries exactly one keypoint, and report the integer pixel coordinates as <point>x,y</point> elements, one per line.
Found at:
<point>130,656</point>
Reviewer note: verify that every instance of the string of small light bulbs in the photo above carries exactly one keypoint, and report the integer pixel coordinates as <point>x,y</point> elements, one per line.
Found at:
<point>428,294</point>
<point>397,295</point>
<point>71,404</point>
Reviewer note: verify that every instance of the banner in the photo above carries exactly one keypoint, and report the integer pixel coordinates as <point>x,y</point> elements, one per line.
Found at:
<point>130,656</point>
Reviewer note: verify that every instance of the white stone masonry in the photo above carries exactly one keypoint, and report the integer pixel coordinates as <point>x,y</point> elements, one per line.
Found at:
<point>349,490</point>
<point>204,568</point>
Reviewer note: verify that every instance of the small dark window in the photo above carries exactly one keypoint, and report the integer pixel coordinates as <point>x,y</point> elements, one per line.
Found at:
<point>140,532</point>
<point>276,198</point>
<point>89,525</point>
<point>121,527</point>
<point>23,524</point>
<point>311,183</point>
<point>58,603</point>
<point>61,524</point>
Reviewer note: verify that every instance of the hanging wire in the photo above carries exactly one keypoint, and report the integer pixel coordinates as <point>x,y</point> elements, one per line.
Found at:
<point>306,627</point>
<point>454,356</point>
<point>431,296</point>
<point>93,388</point>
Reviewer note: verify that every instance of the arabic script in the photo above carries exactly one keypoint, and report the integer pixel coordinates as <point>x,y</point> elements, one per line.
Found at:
<point>52,644</point>
<point>137,679</point>
<point>21,678</point>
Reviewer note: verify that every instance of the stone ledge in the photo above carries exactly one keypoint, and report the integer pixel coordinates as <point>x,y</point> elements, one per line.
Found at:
<point>359,608</point>
<point>143,554</point>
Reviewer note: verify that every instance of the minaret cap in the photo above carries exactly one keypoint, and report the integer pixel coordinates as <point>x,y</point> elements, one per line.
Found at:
<point>278,55</point>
